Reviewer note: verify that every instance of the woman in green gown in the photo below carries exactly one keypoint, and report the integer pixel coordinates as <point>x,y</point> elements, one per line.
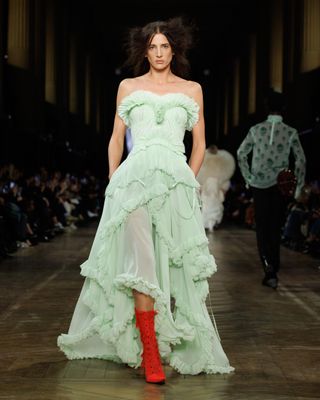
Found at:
<point>143,302</point>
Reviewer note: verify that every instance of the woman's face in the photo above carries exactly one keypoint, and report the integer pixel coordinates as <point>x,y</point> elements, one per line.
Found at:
<point>159,52</point>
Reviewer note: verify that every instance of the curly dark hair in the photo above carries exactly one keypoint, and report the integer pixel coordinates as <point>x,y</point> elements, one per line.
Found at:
<point>179,34</point>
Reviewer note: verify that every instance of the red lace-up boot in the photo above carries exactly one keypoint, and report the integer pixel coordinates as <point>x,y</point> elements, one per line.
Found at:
<point>151,357</point>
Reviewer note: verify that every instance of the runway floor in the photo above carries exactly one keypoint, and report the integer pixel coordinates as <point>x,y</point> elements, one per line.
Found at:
<point>272,338</point>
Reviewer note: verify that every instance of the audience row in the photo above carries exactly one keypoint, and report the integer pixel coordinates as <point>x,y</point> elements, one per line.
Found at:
<point>37,206</point>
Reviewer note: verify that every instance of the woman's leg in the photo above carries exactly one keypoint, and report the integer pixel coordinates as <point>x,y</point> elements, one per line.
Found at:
<point>140,263</point>
<point>151,359</point>
<point>145,314</point>
<point>142,301</point>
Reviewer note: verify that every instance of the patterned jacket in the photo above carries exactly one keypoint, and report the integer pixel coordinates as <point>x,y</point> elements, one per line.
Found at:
<point>271,142</point>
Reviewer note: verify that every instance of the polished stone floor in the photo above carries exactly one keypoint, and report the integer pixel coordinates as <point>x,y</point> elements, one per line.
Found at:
<point>272,337</point>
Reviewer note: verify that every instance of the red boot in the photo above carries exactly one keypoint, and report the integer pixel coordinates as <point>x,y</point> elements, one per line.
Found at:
<point>151,357</point>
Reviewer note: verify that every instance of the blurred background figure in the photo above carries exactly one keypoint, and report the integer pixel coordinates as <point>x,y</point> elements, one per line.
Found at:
<point>272,144</point>
<point>214,177</point>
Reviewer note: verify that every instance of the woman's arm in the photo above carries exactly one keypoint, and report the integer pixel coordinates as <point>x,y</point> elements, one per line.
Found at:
<point>116,143</point>
<point>198,134</point>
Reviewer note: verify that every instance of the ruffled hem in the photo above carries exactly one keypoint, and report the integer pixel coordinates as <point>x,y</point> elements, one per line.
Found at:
<point>198,367</point>
<point>127,283</point>
<point>167,333</point>
<point>199,241</point>
<point>65,340</point>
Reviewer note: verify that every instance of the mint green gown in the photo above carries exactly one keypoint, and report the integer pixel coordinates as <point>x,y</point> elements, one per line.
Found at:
<point>150,238</point>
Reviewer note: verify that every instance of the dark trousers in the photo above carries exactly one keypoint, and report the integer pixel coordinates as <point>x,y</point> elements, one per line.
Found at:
<point>269,207</point>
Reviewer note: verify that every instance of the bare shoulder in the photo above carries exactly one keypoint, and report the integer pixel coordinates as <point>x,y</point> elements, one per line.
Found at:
<point>194,89</point>
<point>126,86</point>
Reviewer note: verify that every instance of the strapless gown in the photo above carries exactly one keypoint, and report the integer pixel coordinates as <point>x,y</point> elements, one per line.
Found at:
<point>150,238</point>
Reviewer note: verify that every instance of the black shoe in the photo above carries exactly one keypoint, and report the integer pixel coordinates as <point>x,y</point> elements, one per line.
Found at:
<point>270,281</point>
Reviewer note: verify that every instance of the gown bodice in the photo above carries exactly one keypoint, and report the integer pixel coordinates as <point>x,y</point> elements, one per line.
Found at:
<point>159,118</point>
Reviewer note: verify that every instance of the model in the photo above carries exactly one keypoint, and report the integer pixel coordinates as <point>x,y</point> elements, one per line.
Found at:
<point>150,246</point>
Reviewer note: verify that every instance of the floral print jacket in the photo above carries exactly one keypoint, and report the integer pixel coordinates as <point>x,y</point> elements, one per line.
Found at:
<point>271,142</point>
